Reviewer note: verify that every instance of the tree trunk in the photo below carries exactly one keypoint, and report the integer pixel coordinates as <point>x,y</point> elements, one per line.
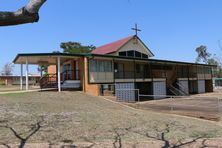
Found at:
<point>27,14</point>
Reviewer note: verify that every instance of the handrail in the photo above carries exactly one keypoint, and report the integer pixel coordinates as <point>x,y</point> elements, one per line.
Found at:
<point>176,91</point>
<point>181,85</point>
<point>46,80</point>
<point>50,80</point>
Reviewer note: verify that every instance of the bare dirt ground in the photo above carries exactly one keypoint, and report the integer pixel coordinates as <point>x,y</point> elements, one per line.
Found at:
<point>206,106</point>
<point>200,107</point>
<point>44,119</point>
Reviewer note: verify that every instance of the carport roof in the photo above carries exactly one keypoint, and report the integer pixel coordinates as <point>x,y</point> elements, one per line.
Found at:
<point>38,58</point>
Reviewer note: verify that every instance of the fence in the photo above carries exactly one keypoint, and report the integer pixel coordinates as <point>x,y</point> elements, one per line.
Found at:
<point>127,95</point>
<point>205,107</point>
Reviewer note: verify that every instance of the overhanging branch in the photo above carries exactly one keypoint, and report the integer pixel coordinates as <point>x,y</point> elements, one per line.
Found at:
<point>27,14</point>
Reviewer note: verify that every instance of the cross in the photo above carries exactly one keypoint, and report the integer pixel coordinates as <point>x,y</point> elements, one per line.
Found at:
<point>136,29</point>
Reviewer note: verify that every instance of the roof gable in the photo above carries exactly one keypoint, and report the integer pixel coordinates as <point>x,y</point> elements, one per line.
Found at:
<point>116,46</point>
<point>135,45</point>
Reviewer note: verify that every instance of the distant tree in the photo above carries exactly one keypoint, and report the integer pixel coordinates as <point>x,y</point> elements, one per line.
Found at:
<point>43,69</point>
<point>213,61</point>
<point>76,47</point>
<point>26,14</point>
<point>202,54</point>
<point>7,69</point>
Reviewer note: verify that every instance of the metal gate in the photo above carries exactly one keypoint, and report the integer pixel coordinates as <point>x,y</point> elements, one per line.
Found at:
<point>201,86</point>
<point>159,89</point>
<point>126,92</point>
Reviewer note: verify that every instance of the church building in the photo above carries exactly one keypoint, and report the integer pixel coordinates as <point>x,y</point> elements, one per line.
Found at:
<point>124,69</point>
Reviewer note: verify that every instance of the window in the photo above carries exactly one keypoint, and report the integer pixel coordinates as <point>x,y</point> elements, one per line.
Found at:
<point>92,65</point>
<point>138,54</point>
<point>100,66</point>
<point>130,53</point>
<point>144,56</point>
<point>133,53</point>
<point>108,66</point>
<point>123,53</point>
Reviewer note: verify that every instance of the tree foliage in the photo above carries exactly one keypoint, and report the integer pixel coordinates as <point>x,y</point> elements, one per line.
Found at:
<point>7,69</point>
<point>76,47</point>
<point>43,69</point>
<point>202,54</point>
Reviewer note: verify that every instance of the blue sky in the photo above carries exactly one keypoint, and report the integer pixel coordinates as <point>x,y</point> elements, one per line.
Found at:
<point>172,29</point>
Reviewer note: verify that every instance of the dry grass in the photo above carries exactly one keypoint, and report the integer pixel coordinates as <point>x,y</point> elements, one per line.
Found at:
<point>9,88</point>
<point>71,117</point>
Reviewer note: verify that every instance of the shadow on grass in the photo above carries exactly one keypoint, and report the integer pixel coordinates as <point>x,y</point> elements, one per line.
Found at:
<point>33,130</point>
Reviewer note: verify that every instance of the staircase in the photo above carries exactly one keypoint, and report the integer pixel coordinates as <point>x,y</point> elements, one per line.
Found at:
<point>175,91</point>
<point>48,81</point>
<point>183,89</point>
<point>173,86</point>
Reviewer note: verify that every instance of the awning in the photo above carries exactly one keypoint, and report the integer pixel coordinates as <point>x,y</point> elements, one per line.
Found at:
<point>44,58</point>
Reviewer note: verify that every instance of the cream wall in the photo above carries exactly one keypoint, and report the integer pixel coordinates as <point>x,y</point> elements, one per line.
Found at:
<point>131,45</point>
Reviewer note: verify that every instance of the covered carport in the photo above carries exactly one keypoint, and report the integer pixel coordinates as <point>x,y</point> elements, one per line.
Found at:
<point>42,59</point>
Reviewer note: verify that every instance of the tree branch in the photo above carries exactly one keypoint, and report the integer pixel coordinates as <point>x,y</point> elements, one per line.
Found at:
<point>27,14</point>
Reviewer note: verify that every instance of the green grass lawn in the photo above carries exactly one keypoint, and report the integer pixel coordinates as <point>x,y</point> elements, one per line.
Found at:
<point>76,117</point>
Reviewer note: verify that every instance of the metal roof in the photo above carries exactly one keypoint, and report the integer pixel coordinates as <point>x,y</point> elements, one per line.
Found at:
<point>67,55</point>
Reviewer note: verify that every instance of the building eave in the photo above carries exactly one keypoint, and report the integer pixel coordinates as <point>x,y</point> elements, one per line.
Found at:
<point>106,56</point>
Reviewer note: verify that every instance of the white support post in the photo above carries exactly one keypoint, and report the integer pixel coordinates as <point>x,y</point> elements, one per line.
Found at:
<point>21,78</point>
<point>58,74</point>
<point>27,75</point>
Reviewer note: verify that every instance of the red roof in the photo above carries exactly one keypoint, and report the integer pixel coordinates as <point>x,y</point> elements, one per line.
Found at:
<point>112,47</point>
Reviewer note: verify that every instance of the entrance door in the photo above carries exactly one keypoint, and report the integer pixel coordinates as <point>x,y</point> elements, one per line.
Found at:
<point>67,72</point>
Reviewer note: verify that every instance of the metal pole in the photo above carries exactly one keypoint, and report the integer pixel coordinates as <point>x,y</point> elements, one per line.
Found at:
<point>27,75</point>
<point>58,74</point>
<point>21,78</point>
<point>138,95</point>
<point>218,105</point>
<point>171,108</point>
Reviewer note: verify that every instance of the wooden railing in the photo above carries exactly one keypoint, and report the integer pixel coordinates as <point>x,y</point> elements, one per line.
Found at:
<point>51,80</point>
<point>48,81</point>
